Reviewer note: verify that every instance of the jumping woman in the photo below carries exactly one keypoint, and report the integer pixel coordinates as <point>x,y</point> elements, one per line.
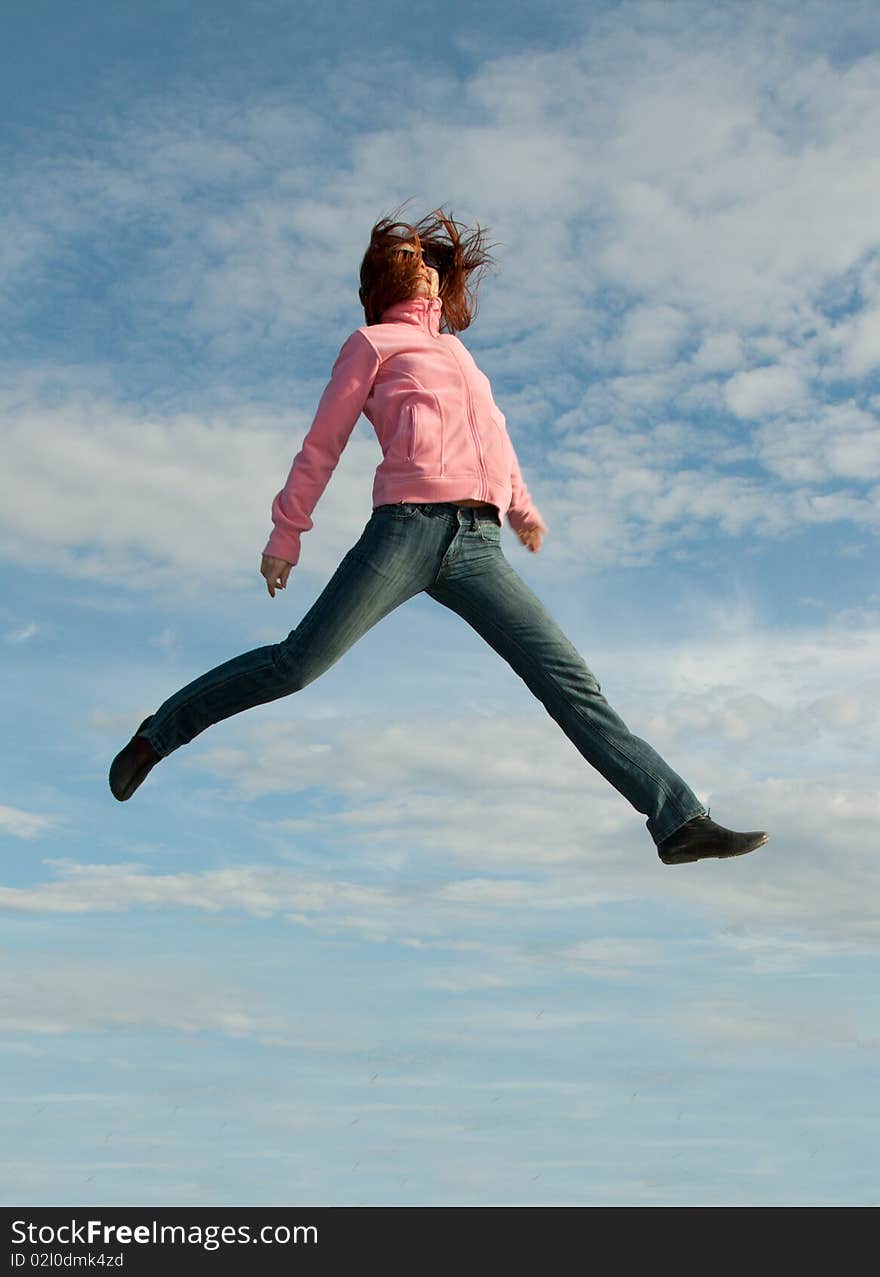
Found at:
<point>448,475</point>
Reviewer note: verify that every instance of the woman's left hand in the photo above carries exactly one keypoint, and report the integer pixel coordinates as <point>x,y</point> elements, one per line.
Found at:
<point>532,537</point>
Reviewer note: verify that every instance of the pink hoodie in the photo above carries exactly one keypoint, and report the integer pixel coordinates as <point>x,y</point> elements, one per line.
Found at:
<point>443,438</point>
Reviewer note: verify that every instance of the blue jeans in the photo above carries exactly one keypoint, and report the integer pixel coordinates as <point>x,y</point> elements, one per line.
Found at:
<point>452,553</point>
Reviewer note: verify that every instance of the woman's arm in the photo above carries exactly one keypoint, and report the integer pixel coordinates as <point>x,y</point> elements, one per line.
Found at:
<point>338,410</point>
<point>523,515</point>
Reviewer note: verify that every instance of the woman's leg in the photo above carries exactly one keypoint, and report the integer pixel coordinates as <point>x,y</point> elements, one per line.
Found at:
<point>483,588</point>
<point>375,576</point>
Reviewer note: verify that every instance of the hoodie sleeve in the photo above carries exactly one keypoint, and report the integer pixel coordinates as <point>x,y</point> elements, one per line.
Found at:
<point>522,512</point>
<point>338,410</point>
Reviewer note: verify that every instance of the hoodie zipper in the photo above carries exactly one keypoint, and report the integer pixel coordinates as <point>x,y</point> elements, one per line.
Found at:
<point>475,435</point>
<point>411,450</point>
<point>484,487</point>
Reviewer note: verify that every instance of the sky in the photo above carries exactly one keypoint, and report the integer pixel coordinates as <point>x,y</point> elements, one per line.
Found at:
<point>391,941</point>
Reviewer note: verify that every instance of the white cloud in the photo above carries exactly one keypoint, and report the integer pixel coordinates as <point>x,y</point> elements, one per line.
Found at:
<point>765,391</point>
<point>834,441</point>
<point>800,699</point>
<point>466,981</point>
<point>165,641</point>
<point>283,757</point>
<point>100,888</point>
<point>76,997</point>
<point>610,956</point>
<point>738,1024</point>
<point>187,499</point>
<point>719,352</point>
<point>23,824</point>
<point>774,953</point>
<point>23,633</point>
<point>741,717</point>
<point>377,913</point>
<point>860,343</point>
<point>652,336</point>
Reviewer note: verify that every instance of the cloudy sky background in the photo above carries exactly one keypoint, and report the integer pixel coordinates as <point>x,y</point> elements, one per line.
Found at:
<point>392,941</point>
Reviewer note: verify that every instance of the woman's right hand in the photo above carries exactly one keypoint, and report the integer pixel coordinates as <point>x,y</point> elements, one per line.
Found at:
<point>276,572</point>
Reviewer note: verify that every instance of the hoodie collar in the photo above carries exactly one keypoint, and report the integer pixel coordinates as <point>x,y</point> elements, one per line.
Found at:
<point>424,311</point>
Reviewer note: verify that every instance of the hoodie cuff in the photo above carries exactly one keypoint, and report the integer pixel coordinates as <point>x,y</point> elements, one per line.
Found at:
<point>283,545</point>
<point>520,520</point>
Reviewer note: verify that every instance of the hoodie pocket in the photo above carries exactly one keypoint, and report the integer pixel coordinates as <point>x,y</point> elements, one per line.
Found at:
<point>411,433</point>
<point>424,438</point>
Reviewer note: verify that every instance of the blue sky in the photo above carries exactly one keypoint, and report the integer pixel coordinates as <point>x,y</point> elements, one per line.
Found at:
<point>392,941</point>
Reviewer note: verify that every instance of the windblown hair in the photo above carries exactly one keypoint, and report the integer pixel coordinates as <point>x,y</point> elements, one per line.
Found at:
<point>457,253</point>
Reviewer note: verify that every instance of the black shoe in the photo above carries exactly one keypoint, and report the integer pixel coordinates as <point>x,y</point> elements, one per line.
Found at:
<point>701,838</point>
<point>131,765</point>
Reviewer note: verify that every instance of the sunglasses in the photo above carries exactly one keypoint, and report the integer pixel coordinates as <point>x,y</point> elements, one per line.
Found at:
<point>427,256</point>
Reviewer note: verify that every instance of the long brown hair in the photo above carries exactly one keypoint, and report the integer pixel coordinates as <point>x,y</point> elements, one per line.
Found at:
<point>458,254</point>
